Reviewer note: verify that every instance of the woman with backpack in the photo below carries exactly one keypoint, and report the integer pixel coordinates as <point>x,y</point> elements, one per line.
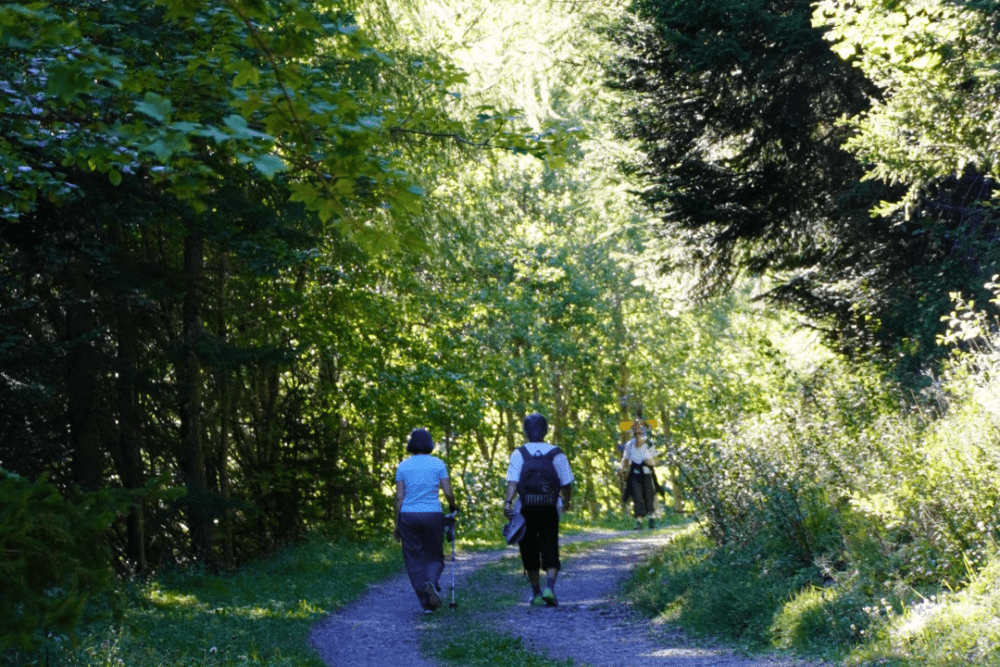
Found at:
<point>540,475</point>
<point>419,521</point>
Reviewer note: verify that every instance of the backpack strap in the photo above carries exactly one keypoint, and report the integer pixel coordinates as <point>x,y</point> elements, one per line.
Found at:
<point>550,455</point>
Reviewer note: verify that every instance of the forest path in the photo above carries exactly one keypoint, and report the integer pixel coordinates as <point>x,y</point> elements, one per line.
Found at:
<point>590,625</point>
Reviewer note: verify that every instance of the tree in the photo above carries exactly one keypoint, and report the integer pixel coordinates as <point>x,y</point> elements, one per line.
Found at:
<point>937,66</point>
<point>736,108</point>
<point>179,177</point>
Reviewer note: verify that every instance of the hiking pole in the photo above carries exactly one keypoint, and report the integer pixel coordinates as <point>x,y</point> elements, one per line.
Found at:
<point>450,529</point>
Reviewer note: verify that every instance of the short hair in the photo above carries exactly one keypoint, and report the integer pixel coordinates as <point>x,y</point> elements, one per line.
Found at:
<point>420,442</point>
<point>535,427</point>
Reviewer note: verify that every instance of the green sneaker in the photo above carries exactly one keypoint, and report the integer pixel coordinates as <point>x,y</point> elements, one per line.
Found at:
<point>537,601</point>
<point>549,596</point>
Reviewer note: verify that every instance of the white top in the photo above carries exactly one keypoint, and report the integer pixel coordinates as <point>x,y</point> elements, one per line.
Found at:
<point>638,454</point>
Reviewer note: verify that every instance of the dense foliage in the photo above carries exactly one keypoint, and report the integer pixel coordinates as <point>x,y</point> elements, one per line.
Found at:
<point>247,245</point>
<point>737,107</point>
<point>54,558</point>
<point>835,519</point>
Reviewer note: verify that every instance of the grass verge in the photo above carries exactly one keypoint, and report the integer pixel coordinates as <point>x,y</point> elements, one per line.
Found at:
<point>760,606</point>
<point>734,596</point>
<point>263,614</point>
<point>944,630</point>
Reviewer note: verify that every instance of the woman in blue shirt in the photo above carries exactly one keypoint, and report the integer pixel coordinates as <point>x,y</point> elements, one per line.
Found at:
<point>419,519</point>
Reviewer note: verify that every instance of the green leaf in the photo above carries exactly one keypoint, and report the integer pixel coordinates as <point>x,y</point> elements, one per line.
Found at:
<point>844,49</point>
<point>156,107</point>
<point>926,61</point>
<point>241,130</point>
<point>115,177</point>
<point>245,72</point>
<point>269,164</point>
<point>307,193</point>
<point>66,81</point>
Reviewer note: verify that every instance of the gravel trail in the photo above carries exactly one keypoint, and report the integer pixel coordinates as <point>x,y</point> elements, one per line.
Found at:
<point>590,625</point>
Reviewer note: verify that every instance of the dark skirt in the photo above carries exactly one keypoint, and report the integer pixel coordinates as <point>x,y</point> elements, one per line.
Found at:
<point>641,488</point>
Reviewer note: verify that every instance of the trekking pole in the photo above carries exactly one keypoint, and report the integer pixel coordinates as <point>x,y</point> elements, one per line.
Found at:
<point>451,534</point>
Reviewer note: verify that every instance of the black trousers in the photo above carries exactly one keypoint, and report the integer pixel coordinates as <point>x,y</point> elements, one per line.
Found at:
<point>422,537</point>
<point>540,544</point>
<point>642,492</point>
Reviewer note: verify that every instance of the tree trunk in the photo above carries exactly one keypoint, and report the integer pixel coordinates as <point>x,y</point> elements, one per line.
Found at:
<point>225,398</point>
<point>129,455</point>
<point>558,407</point>
<point>677,491</point>
<point>225,417</point>
<point>189,381</point>
<point>82,385</point>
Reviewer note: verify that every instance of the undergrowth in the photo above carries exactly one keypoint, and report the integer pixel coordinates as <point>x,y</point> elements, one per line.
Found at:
<point>852,519</point>
<point>262,614</point>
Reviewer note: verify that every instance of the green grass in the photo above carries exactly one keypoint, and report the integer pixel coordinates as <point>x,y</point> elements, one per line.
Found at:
<point>261,615</point>
<point>730,595</point>
<point>944,630</point>
<point>759,606</point>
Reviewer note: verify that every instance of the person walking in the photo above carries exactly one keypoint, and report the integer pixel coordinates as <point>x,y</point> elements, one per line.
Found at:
<point>419,521</point>
<point>640,481</point>
<point>540,475</point>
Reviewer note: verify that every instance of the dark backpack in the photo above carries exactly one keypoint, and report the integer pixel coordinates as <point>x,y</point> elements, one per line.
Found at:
<point>539,481</point>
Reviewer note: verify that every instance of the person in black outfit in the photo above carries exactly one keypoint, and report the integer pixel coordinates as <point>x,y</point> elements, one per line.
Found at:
<point>540,545</point>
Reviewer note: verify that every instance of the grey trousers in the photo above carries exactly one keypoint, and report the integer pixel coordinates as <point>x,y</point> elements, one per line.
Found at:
<point>422,536</point>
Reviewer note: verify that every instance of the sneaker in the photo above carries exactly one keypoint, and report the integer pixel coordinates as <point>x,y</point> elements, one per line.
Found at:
<point>549,596</point>
<point>638,524</point>
<point>433,599</point>
<point>537,601</point>
<point>652,524</point>
<point>428,611</point>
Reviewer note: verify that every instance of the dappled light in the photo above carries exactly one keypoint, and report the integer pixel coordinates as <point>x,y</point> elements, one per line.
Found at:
<point>247,246</point>
<point>172,599</point>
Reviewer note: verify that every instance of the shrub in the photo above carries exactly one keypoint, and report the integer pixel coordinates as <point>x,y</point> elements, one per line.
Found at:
<point>53,560</point>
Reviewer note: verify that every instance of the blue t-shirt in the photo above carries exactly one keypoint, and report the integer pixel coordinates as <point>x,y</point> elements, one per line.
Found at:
<point>422,474</point>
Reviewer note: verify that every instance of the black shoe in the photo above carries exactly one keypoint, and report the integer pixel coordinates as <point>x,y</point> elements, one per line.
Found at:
<point>652,524</point>
<point>638,524</point>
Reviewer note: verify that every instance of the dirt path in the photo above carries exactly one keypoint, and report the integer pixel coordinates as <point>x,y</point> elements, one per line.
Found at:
<point>589,625</point>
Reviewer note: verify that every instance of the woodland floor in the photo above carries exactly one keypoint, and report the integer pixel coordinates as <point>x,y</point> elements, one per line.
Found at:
<point>593,625</point>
